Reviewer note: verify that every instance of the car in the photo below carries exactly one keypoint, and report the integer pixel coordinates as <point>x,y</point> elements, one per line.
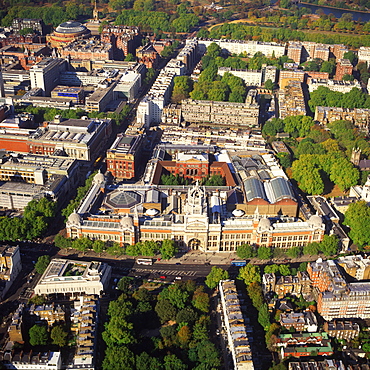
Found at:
<point>178,278</point>
<point>178,263</point>
<point>162,277</point>
<point>158,259</point>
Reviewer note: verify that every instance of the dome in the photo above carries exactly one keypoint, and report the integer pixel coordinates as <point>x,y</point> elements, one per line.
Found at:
<point>126,222</point>
<point>74,218</point>
<point>71,27</point>
<point>99,178</point>
<point>315,221</point>
<point>152,212</point>
<point>264,224</point>
<point>238,212</point>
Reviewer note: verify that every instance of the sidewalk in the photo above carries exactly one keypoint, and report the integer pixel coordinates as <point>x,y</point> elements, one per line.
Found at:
<point>197,257</point>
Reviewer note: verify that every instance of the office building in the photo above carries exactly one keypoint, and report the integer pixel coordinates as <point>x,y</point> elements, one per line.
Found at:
<point>45,74</point>
<point>123,157</point>
<point>74,278</point>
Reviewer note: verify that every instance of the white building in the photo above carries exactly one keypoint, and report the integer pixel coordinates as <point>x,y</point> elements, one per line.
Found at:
<point>31,360</point>
<point>364,54</point>
<point>150,107</point>
<point>64,276</point>
<point>10,267</point>
<point>249,47</point>
<point>238,332</point>
<point>333,85</point>
<point>45,74</point>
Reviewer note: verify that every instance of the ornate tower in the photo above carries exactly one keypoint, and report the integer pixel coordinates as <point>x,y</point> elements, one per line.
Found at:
<point>95,12</point>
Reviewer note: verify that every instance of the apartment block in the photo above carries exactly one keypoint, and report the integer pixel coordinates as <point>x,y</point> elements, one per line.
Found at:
<point>84,320</point>
<point>124,39</point>
<point>151,106</point>
<point>37,25</point>
<point>148,56</point>
<point>336,297</point>
<point>238,331</point>
<point>250,77</point>
<point>87,50</point>
<point>300,321</point>
<point>291,100</point>
<point>295,51</point>
<point>49,313</point>
<point>333,85</point>
<point>343,67</point>
<point>248,47</point>
<point>223,113</point>
<point>360,117</point>
<point>291,75</point>
<point>189,54</point>
<point>342,329</point>
<point>27,360</point>
<point>364,54</point>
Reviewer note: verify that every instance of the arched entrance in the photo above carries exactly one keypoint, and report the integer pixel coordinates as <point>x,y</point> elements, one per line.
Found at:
<point>194,244</point>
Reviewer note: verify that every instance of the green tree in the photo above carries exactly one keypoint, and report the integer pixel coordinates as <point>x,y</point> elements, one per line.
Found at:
<point>215,276</point>
<point>294,252</point>
<point>255,293</point>
<point>271,269</point>
<point>61,242</point>
<point>42,263</point>
<point>214,50</point>
<point>264,253</point>
<point>311,249</point>
<point>118,358</point>
<point>59,336</point>
<point>171,362</point>
<point>269,85</point>
<point>245,251</point>
<point>39,335</point>
<point>329,245</point>
<point>357,217</point>
<point>98,246</point>
<point>250,274</point>
<point>26,31</point>
<point>186,315</point>
<point>165,310</point>
<point>168,249</point>
<point>177,296</point>
<point>184,336</point>
<point>130,58</point>
<point>284,270</point>
<point>82,244</point>
<point>264,317</point>
<point>124,283</point>
<point>200,300</point>
<point>146,362</point>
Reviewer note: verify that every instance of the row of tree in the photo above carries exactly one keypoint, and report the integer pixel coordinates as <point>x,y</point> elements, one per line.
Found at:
<point>328,246</point>
<point>149,248</point>
<point>240,31</point>
<point>156,21</point>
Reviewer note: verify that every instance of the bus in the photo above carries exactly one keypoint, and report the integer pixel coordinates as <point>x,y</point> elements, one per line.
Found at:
<point>144,261</point>
<point>238,263</point>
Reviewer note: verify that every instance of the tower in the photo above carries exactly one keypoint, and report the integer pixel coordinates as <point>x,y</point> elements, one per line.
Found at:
<point>356,156</point>
<point>95,12</point>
